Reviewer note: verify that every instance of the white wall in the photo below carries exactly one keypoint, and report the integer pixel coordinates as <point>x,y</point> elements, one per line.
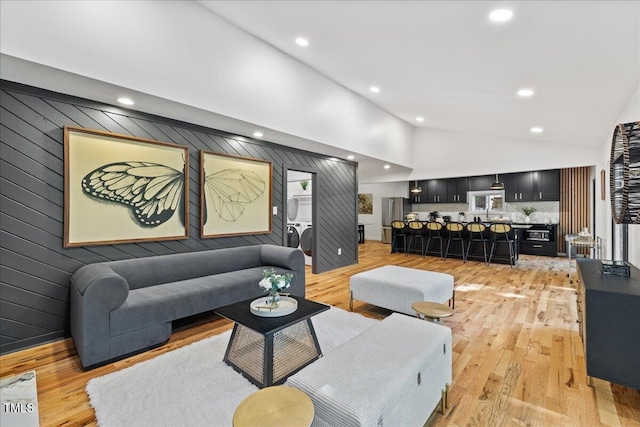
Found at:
<point>373,222</point>
<point>445,154</point>
<point>185,53</point>
<point>603,207</point>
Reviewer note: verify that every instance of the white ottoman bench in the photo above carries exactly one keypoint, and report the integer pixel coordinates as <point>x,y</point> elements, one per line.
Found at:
<point>397,288</point>
<point>392,374</point>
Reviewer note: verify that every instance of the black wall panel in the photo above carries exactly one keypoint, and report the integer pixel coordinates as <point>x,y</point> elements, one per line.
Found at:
<point>35,268</point>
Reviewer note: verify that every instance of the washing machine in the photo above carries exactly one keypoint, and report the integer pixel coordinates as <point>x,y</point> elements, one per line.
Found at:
<point>293,236</point>
<point>300,235</point>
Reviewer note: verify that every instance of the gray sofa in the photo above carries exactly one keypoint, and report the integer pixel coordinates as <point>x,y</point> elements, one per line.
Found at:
<point>120,308</point>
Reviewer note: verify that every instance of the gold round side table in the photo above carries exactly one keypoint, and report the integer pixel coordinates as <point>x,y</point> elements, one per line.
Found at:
<point>276,406</point>
<point>432,310</point>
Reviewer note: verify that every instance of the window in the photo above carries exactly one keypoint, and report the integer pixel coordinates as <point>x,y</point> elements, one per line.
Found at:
<point>486,201</point>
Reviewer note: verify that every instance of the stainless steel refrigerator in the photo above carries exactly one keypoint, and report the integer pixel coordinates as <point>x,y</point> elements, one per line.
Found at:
<point>393,208</point>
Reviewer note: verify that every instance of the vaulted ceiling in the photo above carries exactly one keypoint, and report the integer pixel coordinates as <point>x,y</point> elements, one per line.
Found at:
<point>447,62</point>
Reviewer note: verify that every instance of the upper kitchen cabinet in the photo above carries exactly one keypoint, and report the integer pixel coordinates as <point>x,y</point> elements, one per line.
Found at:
<point>418,192</point>
<point>457,190</point>
<point>538,186</point>
<point>535,186</point>
<point>547,185</point>
<point>437,191</point>
<point>518,187</point>
<point>481,183</point>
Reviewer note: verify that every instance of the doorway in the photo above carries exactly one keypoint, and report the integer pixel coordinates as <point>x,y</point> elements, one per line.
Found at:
<point>300,213</point>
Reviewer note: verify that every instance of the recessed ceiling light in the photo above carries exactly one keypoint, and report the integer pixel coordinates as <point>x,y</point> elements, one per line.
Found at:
<point>420,119</point>
<point>387,166</point>
<point>501,15</point>
<point>351,157</point>
<point>258,134</point>
<point>333,159</point>
<point>302,42</point>
<point>525,92</point>
<point>374,89</point>
<point>125,101</point>
<point>536,129</point>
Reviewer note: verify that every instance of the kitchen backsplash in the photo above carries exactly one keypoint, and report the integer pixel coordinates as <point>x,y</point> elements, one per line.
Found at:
<point>546,212</point>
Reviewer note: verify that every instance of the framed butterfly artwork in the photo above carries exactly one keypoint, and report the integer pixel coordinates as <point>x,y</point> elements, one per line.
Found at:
<point>123,189</point>
<point>235,195</point>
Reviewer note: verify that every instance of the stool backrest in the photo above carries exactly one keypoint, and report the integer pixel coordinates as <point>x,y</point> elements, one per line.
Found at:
<point>397,224</point>
<point>476,227</point>
<point>500,228</point>
<point>454,226</point>
<point>434,226</point>
<point>415,225</point>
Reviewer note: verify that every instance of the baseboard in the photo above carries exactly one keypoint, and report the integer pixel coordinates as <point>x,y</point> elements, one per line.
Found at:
<point>124,356</point>
<point>14,346</point>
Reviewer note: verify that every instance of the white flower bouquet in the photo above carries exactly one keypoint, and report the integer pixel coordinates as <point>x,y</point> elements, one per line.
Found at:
<point>273,283</point>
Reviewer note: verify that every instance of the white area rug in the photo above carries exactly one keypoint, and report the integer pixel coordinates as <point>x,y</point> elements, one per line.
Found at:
<point>192,386</point>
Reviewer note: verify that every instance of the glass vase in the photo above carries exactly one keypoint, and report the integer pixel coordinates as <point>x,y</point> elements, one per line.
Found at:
<point>274,298</point>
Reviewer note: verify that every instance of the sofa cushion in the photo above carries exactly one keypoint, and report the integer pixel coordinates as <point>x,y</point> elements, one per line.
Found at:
<point>175,300</point>
<point>150,271</point>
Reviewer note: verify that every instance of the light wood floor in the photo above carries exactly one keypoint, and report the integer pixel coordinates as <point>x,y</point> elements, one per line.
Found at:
<point>517,361</point>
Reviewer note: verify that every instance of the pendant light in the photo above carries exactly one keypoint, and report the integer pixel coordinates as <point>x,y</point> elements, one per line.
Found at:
<point>415,188</point>
<point>497,185</point>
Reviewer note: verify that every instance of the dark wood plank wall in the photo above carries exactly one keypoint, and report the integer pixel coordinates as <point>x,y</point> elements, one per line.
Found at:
<point>35,268</point>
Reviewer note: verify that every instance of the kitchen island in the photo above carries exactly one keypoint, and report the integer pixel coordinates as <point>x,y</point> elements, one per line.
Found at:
<point>500,256</point>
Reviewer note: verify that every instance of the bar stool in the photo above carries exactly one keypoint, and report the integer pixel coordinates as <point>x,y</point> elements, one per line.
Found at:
<point>416,231</point>
<point>455,234</point>
<point>433,230</point>
<point>476,234</point>
<point>398,227</point>
<point>501,235</point>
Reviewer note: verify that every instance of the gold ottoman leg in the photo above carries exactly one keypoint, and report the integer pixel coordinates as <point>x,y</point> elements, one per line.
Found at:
<point>446,394</point>
<point>444,401</point>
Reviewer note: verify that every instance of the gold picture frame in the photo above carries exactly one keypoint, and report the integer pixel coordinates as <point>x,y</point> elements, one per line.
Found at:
<point>235,195</point>
<point>123,189</point>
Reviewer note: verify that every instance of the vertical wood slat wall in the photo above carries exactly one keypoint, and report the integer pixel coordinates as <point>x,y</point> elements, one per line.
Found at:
<point>575,203</point>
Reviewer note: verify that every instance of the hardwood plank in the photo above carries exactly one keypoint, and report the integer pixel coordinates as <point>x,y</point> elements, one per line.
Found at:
<point>517,355</point>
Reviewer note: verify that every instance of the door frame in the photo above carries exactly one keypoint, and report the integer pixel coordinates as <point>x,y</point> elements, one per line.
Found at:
<point>314,207</point>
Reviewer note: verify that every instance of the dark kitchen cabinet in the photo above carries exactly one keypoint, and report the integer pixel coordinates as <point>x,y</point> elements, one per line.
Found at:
<point>518,187</point>
<point>547,185</point>
<point>481,183</point>
<point>609,322</point>
<point>437,191</point>
<point>420,196</point>
<point>534,186</point>
<point>457,190</point>
<point>540,239</point>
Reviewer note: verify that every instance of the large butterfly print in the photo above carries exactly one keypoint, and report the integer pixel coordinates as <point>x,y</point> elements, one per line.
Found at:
<point>151,191</point>
<point>229,190</point>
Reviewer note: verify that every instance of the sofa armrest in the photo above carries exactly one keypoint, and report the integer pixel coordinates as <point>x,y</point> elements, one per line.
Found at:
<point>99,280</point>
<point>95,291</point>
<point>289,258</point>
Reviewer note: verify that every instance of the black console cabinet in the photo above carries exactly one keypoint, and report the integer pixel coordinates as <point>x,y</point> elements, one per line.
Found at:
<point>609,317</point>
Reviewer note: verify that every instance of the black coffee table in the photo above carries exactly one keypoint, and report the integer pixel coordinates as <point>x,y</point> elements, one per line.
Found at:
<point>267,350</point>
